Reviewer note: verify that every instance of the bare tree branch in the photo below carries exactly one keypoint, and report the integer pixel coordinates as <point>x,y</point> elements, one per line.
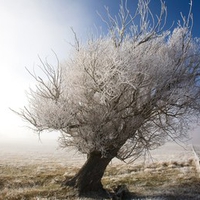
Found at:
<point>127,92</point>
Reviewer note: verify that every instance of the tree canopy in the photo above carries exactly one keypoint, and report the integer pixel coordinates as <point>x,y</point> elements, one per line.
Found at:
<point>122,93</point>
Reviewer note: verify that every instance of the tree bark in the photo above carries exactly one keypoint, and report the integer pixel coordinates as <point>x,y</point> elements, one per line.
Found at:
<point>88,179</point>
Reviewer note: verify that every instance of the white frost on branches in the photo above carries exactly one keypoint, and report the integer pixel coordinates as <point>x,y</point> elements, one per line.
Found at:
<point>130,90</point>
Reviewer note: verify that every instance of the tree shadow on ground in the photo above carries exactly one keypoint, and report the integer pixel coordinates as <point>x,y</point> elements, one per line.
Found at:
<point>179,192</point>
<point>164,197</point>
<point>184,191</point>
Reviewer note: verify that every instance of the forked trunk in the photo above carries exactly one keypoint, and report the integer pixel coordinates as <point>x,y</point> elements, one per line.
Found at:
<point>88,179</point>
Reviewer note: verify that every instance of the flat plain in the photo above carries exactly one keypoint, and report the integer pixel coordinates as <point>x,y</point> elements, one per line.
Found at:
<point>37,171</point>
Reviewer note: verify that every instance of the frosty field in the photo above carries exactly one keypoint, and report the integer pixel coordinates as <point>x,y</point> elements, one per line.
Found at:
<point>36,172</point>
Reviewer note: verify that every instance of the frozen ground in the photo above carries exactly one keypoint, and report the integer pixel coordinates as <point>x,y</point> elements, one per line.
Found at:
<point>30,152</point>
<point>165,168</point>
<point>27,152</point>
<point>197,150</point>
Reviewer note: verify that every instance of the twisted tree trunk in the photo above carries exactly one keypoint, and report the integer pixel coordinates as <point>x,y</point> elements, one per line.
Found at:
<point>88,179</point>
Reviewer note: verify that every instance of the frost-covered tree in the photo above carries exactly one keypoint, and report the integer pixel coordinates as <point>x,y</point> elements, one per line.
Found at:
<point>121,93</point>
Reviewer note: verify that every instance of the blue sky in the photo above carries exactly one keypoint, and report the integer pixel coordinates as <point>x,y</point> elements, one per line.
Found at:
<point>34,27</point>
<point>174,8</point>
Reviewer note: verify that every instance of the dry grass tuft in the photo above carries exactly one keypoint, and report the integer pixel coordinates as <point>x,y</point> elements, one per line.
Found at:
<point>157,179</point>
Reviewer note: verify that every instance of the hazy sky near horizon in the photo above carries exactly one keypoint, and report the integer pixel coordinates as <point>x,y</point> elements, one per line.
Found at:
<point>32,28</point>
